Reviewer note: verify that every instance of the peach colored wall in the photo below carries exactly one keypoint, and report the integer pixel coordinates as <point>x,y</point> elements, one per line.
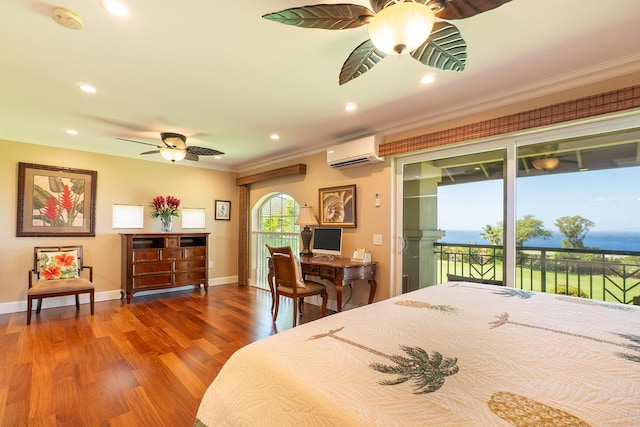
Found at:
<point>119,181</point>
<point>368,179</point>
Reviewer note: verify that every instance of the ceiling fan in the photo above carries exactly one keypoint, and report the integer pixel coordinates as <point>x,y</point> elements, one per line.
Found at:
<point>395,26</point>
<point>176,148</point>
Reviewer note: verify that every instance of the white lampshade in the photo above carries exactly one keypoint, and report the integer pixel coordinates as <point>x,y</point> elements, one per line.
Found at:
<point>306,216</point>
<point>173,154</point>
<point>401,27</point>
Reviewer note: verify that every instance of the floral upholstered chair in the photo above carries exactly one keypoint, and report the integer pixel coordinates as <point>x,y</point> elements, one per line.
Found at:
<point>57,272</point>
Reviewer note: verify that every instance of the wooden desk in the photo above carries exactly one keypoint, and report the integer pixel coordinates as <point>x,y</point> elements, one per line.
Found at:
<point>340,271</point>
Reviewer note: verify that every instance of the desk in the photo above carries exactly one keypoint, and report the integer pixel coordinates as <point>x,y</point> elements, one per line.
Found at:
<point>340,271</point>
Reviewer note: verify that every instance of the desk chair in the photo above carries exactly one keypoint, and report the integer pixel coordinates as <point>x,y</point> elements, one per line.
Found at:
<point>290,283</point>
<point>57,272</point>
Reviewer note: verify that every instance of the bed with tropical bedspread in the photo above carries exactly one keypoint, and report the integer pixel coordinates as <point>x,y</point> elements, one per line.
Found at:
<point>455,354</point>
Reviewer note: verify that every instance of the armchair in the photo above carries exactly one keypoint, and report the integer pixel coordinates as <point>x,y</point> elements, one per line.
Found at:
<point>56,270</point>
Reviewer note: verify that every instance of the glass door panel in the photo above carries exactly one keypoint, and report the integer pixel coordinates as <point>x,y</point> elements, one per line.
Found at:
<point>577,206</point>
<point>452,222</point>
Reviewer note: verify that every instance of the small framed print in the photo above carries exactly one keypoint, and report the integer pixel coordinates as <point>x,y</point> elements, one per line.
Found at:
<point>223,210</point>
<point>338,206</point>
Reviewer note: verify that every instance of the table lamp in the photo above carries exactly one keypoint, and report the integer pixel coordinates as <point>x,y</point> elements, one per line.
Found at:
<point>306,218</point>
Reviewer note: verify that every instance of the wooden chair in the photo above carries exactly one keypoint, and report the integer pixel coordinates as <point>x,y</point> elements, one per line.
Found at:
<point>290,282</point>
<point>57,271</point>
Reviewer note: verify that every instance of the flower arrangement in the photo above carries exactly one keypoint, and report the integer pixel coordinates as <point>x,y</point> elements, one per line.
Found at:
<point>165,209</point>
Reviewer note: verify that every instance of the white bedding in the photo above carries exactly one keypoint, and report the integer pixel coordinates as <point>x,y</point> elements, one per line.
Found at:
<point>508,357</point>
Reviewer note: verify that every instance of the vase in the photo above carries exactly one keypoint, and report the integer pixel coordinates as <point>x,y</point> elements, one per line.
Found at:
<point>167,224</point>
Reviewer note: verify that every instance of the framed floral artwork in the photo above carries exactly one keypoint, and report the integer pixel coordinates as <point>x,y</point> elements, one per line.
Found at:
<point>338,206</point>
<point>223,210</point>
<point>55,201</point>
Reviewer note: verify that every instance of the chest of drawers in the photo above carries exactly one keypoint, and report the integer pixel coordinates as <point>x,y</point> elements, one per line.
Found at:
<point>159,261</point>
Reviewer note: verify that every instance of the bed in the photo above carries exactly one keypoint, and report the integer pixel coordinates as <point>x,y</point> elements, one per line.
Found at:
<point>455,354</point>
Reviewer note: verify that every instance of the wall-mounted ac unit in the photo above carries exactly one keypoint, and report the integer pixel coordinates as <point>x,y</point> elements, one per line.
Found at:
<point>354,153</point>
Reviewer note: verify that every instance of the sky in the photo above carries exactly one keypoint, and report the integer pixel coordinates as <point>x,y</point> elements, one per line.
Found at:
<point>610,198</point>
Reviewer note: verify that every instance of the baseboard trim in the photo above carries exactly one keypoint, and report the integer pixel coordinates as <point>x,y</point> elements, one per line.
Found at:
<point>21,306</point>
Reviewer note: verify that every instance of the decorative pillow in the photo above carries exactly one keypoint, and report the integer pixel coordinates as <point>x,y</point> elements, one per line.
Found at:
<point>58,265</point>
<point>298,270</point>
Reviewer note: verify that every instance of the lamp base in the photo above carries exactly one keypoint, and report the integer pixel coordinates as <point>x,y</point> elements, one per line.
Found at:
<point>305,235</point>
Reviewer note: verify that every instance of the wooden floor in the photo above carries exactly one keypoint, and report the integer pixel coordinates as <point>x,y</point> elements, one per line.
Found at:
<point>143,364</point>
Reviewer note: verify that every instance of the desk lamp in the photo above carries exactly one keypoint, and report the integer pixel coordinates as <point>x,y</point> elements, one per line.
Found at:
<point>306,218</point>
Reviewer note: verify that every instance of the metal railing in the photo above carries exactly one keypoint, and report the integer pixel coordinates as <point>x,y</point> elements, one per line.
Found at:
<point>602,275</point>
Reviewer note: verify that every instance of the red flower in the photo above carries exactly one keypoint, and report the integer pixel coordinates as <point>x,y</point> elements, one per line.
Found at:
<point>165,207</point>
<point>64,259</point>
<point>51,208</point>
<point>50,273</point>
<point>66,202</point>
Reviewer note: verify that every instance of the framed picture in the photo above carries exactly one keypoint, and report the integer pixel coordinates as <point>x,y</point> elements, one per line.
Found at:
<point>56,201</point>
<point>223,210</point>
<point>338,206</point>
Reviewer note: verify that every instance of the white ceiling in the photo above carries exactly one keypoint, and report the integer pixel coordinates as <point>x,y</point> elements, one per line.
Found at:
<point>219,73</point>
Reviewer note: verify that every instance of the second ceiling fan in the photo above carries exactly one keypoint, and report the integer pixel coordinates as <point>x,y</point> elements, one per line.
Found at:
<point>175,148</point>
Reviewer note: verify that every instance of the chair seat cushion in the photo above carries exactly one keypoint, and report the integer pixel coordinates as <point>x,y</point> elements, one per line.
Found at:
<point>310,288</point>
<point>44,287</point>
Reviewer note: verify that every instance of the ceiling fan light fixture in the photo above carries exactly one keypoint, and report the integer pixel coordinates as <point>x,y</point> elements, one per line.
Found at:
<point>545,163</point>
<point>173,154</point>
<point>401,27</point>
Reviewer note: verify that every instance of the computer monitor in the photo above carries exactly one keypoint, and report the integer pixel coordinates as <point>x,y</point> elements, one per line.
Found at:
<point>327,241</point>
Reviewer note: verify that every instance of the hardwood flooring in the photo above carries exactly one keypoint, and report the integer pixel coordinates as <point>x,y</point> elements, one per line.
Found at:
<point>147,363</point>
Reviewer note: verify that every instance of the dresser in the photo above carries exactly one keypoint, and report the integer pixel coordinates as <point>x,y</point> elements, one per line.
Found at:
<point>161,261</point>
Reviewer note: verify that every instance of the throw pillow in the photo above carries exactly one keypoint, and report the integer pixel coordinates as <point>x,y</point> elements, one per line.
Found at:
<point>58,265</point>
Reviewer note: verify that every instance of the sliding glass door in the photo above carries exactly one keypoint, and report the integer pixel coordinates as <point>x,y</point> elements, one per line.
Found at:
<point>451,205</point>
<point>554,211</point>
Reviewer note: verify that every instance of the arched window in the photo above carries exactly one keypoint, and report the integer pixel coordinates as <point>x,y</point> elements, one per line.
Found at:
<point>274,225</point>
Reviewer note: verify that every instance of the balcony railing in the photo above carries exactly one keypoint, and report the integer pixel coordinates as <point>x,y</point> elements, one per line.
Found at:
<point>602,275</point>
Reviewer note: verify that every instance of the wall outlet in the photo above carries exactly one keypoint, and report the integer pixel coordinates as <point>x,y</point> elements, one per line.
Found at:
<point>210,263</point>
<point>377,239</point>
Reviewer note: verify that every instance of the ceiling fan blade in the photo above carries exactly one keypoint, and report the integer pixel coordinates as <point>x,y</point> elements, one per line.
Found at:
<point>139,142</point>
<point>445,49</point>
<point>151,152</point>
<point>191,156</point>
<point>460,9</point>
<point>202,151</point>
<point>323,16</point>
<point>377,5</point>
<point>361,60</point>
<point>174,140</point>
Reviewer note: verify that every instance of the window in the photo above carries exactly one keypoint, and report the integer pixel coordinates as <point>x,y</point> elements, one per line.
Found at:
<point>274,225</point>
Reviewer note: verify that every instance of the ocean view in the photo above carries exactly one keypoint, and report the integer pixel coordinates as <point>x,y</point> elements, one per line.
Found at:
<point>606,240</point>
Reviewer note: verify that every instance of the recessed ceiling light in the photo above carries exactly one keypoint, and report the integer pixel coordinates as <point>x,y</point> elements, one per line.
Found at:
<point>72,132</point>
<point>87,88</point>
<point>350,106</point>
<point>275,136</point>
<point>115,7</point>
<point>217,157</point>
<point>427,79</point>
